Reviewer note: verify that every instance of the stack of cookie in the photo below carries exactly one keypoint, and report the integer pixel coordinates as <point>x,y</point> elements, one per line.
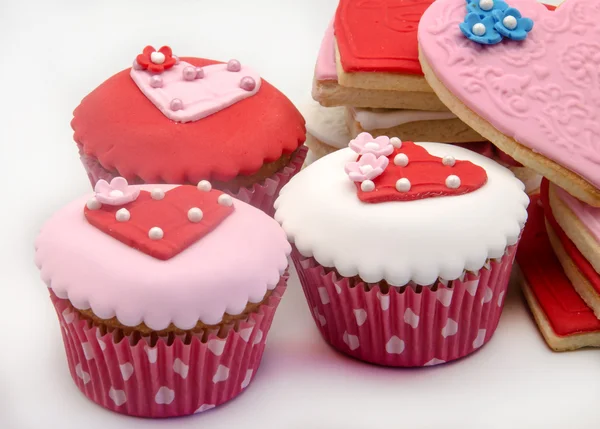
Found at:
<point>521,77</point>
<point>368,79</point>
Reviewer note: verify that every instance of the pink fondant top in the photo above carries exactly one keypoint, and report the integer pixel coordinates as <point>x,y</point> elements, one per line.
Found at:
<point>544,91</point>
<point>234,264</point>
<point>326,68</point>
<point>588,215</point>
<point>216,88</point>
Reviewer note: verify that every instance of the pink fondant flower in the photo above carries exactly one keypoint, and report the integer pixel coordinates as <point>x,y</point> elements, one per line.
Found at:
<point>367,167</point>
<point>156,61</point>
<point>116,193</point>
<point>365,143</point>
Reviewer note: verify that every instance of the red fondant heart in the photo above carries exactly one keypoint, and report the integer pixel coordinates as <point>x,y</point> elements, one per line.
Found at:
<point>379,35</point>
<point>170,214</point>
<point>427,175</point>
<point>564,309</point>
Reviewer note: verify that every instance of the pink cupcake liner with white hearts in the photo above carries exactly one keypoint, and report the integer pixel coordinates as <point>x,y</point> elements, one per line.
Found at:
<point>260,195</point>
<point>171,378</point>
<point>409,326</point>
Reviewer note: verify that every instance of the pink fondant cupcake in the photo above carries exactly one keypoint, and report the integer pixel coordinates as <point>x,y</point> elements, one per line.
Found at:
<point>404,250</point>
<point>164,294</point>
<point>182,120</point>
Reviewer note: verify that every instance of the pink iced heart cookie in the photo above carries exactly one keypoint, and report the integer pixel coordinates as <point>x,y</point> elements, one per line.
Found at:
<point>538,99</point>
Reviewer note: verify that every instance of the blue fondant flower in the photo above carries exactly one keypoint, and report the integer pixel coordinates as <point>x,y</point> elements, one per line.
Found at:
<point>485,8</point>
<point>480,30</point>
<point>510,24</point>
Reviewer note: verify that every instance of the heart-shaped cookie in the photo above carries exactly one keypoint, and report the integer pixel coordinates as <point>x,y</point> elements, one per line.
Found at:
<point>537,100</point>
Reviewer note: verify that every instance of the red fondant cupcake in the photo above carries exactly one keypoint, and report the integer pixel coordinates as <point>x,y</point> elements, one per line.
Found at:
<point>404,250</point>
<point>182,120</point>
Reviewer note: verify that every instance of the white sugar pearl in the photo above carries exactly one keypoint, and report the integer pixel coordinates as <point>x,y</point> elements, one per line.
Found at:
<point>371,146</point>
<point>204,185</point>
<point>449,161</point>
<point>396,142</point>
<point>486,4</point>
<point>478,29</point>
<point>195,214</point>
<point>93,204</point>
<point>122,215</point>
<point>401,159</point>
<point>155,233</point>
<point>510,22</point>
<point>157,194</point>
<point>225,200</point>
<point>157,57</point>
<point>403,185</point>
<point>367,186</point>
<point>452,181</point>
<point>115,193</point>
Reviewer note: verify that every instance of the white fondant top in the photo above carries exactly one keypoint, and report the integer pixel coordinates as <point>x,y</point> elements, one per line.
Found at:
<point>401,242</point>
<point>327,124</point>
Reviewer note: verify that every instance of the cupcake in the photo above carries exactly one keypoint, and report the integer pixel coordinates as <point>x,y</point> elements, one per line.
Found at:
<point>181,120</point>
<point>164,294</point>
<point>404,250</point>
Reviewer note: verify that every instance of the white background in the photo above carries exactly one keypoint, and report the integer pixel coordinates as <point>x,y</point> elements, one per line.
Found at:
<point>52,53</point>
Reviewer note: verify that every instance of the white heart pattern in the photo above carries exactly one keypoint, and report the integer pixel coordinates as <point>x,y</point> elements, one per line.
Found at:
<point>444,296</point>
<point>216,346</point>
<point>85,377</point>
<point>247,378</point>
<point>487,296</point>
<point>320,317</point>
<point>222,374</point>
<point>323,295</point>
<point>395,346</point>
<point>360,315</point>
<point>450,329</point>
<point>180,368</point>
<point>101,343</point>
<point>471,287</point>
<point>245,334</point>
<point>126,370</point>
<point>164,396</point>
<point>68,315</point>
<point>258,337</point>
<point>478,342</point>
<point>411,318</point>
<point>152,354</point>
<point>351,341</point>
<point>118,396</point>
<point>384,300</point>
<point>338,289</point>
<point>500,298</point>
<point>204,407</point>
<point>88,350</point>
<point>434,361</point>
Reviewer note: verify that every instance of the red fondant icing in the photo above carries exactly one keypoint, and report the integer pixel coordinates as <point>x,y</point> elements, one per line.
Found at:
<point>427,175</point>
<point>120,127</point>
<point>170,214</point>
<point>379,35</point>
<point>145,60</point>
<point>574,254</point>
<point>563,307</point>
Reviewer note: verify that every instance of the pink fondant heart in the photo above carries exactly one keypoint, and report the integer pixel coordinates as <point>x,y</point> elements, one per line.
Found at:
<point>543,92</point>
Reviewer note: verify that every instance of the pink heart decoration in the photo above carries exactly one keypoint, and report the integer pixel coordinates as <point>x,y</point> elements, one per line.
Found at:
<point>543,92</point>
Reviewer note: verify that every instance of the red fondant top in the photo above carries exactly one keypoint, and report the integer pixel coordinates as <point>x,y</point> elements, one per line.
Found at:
<point>170,213</point>
<point>576,256</point>
<point>379,35</point>
<point>563,307</point>
<point>427,175</point>
<point>120,127</point>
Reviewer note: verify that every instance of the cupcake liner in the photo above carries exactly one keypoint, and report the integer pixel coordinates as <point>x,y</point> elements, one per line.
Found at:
<point>261,195</point>
<point>173,377</point>
<point>408,326</point>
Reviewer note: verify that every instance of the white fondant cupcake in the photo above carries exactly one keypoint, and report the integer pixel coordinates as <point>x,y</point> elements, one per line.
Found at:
<point>164,307</point>
<point>404,250</point>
